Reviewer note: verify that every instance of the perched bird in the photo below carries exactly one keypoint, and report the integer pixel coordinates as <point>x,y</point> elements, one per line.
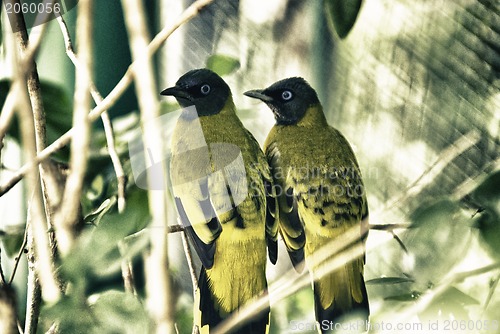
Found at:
<point>223,192</point>
<point>321,195</point>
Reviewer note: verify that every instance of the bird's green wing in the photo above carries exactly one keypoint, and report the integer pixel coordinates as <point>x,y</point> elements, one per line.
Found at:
<point>290,225</point>
<point>198,218</point>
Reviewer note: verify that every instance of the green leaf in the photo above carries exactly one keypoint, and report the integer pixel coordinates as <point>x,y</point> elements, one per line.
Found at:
<point>488,223</point>
<point>405,297</point>
<point>389,280</point>
<point>222,64</point>
<point>487,194</point>
<point>12,238</point>
<point>71,313</point>
<point>342,14</point>
<point>486,197</point>
<point>58,113</point>
<point>440,210</point>
<point>119,312</point>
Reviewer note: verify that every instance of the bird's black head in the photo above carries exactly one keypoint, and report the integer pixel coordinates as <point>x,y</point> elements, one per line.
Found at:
<point>288,99</point>
<point>202,88</point>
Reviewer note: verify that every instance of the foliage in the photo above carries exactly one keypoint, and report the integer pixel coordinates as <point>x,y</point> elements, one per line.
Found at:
<point>12,239</point>
<point>342,15</point>
<point>222,64</point>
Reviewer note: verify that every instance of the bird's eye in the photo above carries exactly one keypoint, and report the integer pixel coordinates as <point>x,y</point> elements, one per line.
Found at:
<point>286,95</point>
<point>205,89</point>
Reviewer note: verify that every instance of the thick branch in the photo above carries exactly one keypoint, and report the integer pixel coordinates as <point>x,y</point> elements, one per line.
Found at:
<point>159,299</point>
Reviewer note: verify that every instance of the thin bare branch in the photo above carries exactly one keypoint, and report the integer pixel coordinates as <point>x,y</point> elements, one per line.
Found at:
<point>493,287</point>
<point>33,293</point>
<point>108,128</point>
<point>126,268</point>
<point>67,216</point>
<point>19,255</point>
<point>159,295</point>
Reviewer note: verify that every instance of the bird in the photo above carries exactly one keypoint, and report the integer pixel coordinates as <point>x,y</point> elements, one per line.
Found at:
<point>224,195</point>
<point>321,196</point>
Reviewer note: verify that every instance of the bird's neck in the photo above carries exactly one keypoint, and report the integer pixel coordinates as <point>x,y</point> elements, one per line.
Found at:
<point>313,117</point>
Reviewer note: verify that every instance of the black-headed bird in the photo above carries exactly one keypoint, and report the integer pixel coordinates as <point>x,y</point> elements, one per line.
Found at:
<point>321,196</point>
<point>223,193</point>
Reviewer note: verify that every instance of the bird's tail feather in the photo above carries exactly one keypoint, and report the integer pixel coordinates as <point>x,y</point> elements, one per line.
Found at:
<point>208,314</point>
<point>341,296</point>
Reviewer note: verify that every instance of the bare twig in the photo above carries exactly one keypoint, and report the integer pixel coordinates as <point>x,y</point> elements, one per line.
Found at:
<point>19,255</point>
<point>159,296</point>
<point>108,128</point>
<point>112,97</point>
<point>493,287</point>
<point>127,273</point>
<point>388,227</point>
<point>189,258</point>
<point>67,216</point>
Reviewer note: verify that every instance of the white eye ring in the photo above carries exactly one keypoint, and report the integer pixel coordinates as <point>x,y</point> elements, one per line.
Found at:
<point>286,95</point>
<point>205,89</point>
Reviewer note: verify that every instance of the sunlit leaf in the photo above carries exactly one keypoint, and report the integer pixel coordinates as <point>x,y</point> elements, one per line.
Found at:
<point>12,238</point>
<point>342,15</point>
<point>389,280</point>
<point>449,305</point>
<point>222,64</point>
<point>437,240</point>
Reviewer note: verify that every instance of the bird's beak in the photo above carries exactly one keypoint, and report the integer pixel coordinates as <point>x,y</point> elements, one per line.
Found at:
<point>177,92</point>
<point>259,94</point>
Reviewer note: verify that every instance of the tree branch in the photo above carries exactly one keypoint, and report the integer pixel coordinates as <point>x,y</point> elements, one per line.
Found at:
<point>67,216</point>
<point>108,128</point>
<point>28,103</point>
<point>159,296</point>
<point>112,97</point>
